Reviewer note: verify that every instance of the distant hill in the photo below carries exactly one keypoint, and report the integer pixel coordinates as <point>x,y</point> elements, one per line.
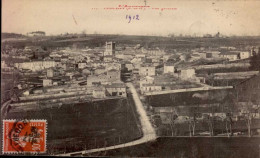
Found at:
<point>11,35</point>
<point>98,40</point>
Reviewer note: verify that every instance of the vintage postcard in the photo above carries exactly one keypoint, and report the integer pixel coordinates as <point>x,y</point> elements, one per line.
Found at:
<point>130,78</point>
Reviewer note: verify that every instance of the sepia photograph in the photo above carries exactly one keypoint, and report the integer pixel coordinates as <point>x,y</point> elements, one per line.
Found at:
<point>130,78</point>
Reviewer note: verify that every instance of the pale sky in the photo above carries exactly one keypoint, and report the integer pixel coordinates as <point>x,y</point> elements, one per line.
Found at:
<point>74,16</point>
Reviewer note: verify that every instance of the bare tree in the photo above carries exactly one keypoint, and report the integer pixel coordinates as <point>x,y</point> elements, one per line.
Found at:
<point>228,123</point>
<point>228,107</point>
<point>248,118</point>
<point>192,125</point>
<point>210,122</point>
<point>211,119</point>
<point>248,115</point>
<point>193,119</point>
<point>173,117</point>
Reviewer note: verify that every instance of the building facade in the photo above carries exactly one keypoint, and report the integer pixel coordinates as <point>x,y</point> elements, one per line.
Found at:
<point>187,73</point>
<point>113,75</point>
<point>110,49</point>
<point>36,65</point>
<point>97,79</point>
<point>116,89</point>
<point>231,56</point>
<point>244,55</point>
<point>146,70</point>
<point>99,92</point>
<point>46,82</point>
<point>36,33</point>
<point>150,88</point>
<point>168,68</point>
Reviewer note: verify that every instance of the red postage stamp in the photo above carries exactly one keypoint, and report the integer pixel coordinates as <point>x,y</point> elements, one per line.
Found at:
<point>24,136</point>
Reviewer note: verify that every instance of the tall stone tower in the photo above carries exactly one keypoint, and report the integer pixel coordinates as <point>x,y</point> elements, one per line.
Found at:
<point>110,49</point>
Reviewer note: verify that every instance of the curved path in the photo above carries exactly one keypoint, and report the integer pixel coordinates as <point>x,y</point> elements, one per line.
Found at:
<point>147,128</point>
<point>4,107</point>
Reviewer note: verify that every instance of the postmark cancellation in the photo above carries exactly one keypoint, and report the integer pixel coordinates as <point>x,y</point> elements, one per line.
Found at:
<point>24,136</point>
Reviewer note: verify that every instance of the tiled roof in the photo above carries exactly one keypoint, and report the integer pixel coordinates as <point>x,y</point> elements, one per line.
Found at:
<point>151,84</point>
<point>113,70</point>
<point>169,64</point>
<point>116,85</point>
<point>228,53</point>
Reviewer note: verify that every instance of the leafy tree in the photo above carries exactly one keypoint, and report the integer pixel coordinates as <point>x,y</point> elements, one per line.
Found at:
<point>187,57</point>
<point>255,62</point>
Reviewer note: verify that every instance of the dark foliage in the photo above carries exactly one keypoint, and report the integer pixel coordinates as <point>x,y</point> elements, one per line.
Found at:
<point>255,62</point>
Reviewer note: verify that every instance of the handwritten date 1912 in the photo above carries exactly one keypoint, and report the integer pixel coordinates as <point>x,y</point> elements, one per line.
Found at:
<point>135,17</point>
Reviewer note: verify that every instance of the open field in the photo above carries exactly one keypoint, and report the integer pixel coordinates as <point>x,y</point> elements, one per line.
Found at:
<point>75,127</point>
